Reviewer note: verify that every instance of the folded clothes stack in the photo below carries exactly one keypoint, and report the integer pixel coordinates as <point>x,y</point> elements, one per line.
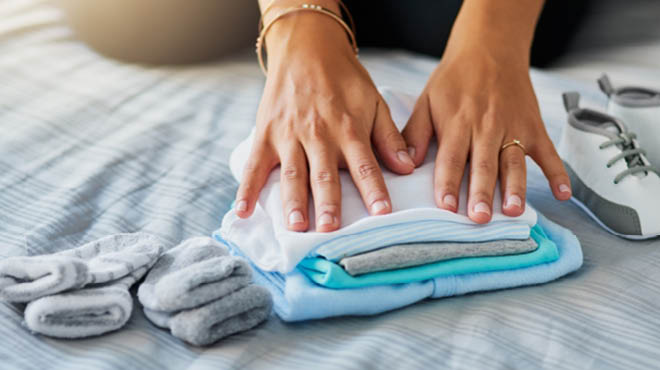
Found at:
<point>378,263</point>
<point>196,289</point>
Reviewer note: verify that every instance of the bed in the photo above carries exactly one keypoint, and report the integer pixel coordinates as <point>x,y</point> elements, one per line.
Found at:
<point>90,147</point>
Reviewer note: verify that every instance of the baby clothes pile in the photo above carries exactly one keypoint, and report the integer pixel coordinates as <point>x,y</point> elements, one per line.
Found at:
<point>378,263</point>
<point>196,289</point>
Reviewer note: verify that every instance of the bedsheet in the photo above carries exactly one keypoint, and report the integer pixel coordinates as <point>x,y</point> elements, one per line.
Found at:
<point>90,147</point>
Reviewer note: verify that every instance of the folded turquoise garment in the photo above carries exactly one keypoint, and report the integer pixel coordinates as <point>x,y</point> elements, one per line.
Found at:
<point>329,274</point>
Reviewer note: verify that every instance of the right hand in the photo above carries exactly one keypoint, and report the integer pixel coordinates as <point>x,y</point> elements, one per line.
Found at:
<point>320,111</point>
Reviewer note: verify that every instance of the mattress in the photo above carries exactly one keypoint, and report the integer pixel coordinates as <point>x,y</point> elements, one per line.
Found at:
<point>90,147</point>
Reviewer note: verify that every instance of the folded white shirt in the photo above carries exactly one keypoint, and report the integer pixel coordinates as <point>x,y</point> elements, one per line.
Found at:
<point>414,218</point>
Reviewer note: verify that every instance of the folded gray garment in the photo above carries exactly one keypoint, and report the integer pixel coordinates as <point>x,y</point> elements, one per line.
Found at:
<point>90,311</point>
<point>195,272</point>
<point>239,311</point>
<point>416,254</point>
<point>23,279</point>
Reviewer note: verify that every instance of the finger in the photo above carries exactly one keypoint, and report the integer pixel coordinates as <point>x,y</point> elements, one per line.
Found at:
<point>513,180</point>
<point>483,177</point>
<point>258,167</point>
<point>449,168</point>
<point>294,189</point>
<point>367,177</point>
<point>419,130</point>
<point>326,188</point>
<point>545,155</point>
<point>389,143</point>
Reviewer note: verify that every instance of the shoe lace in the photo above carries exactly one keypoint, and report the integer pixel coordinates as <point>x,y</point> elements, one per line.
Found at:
<point>631,153</point>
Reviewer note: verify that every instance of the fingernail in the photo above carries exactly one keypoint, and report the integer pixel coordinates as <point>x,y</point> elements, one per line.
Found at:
<point>378,206</point>
<point>412,151</point>
<point>481,207</point>
<point>296,217</point>
<point>513,200</point>
<point>404,157</point>
<point>241,206</point>
<point>450,200</point>
<point>326,219</point>
<point>563,188</point>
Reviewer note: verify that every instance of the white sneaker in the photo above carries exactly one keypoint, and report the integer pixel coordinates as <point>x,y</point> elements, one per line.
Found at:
<point>639,108</point>
<point>611,178</point>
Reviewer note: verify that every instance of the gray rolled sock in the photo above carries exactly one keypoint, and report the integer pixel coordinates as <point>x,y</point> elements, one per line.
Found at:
<point>196,272</point>
<point>416,254</point>
<point>90,311</point>
<point>23,279</point>
<point>239,311</point>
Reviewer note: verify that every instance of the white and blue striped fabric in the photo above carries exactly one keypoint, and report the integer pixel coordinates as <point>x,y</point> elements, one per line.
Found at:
<point>91,147</point>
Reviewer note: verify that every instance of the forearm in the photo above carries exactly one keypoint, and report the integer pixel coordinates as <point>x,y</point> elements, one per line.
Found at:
<point>503,28</point>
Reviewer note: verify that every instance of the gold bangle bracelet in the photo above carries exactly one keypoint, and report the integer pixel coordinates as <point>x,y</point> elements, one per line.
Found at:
<point>303,7</point>
<point>342,7</point>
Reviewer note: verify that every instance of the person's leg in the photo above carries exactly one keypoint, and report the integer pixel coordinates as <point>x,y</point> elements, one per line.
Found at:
<point>423,26</point>
<point>420,26</point>
<point>164,31</point>
<point>556,29</point>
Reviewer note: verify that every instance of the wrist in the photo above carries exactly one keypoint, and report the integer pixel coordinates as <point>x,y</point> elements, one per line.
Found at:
<point>498,30</point>
<point>306,35</point>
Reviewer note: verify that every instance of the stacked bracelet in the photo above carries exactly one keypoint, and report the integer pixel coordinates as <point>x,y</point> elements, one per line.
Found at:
<point>304,7</point>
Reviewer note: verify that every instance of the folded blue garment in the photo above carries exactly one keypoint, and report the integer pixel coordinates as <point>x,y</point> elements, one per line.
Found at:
<point>297,298</point>
<point>331,275</point>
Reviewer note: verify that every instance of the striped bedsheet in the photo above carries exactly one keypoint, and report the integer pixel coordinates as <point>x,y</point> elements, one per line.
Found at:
<point>90,147</point>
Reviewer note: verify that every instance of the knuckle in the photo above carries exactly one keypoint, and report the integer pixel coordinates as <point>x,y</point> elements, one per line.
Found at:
<point>294,203</point>
<point>454,161</point>
<point>489,118</point>
<point>516,189</point>
<point>291,172</point>
<point>482,195</point>
<point>393,136</point>
<point>514,162</point>
<point>350,131</point>
<point>445,186</point>
<point>251,169</point>
<point>560,177</point>
<point>324,177</point>
<point>367,170</point>
<point>327,206</point>
<point>317,130</point>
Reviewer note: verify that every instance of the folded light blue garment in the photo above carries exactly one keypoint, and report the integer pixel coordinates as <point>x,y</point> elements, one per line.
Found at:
<point>332,275</point>
<point>297,298</point>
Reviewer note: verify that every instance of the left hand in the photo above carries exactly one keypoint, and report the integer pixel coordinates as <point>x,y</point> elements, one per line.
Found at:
<point>475,101</point>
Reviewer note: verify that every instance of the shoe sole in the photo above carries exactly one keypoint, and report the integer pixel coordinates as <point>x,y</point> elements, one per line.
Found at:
<point>601,224</point>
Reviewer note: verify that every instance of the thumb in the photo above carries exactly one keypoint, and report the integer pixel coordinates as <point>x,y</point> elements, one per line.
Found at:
<point>419,130</point>
<point>389,143</point>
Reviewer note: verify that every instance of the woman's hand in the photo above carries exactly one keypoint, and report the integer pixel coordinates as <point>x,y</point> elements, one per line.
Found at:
<point>319,112</point>
<point>478,98</point>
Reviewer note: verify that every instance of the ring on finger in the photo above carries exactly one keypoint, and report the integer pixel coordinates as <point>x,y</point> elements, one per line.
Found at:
<point>514,142</point>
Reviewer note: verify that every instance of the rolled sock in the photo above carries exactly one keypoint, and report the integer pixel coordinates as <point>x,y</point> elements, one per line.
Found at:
<point>23,279</point>
<point>91,311</point>
<point>196,272</point>
<point>417,254</point>
<point>239,311</point>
